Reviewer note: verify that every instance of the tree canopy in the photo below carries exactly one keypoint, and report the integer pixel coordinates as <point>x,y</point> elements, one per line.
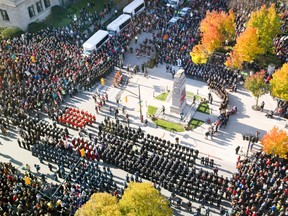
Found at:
<point>100,204</point>
<point>144,200</point>
<point>199,54</point>
<point>279,83</point>
<point>139,199</point>
<point>256,84</point>
<point>267,23</point>
<point>246,49</point>
<point>276,142</point>
<point>216,28</point>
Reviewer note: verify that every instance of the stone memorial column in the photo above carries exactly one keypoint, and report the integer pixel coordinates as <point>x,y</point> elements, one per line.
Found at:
<point>178,92</point>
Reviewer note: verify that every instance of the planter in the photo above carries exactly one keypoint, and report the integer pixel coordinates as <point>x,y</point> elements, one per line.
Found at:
<point>256,108</point>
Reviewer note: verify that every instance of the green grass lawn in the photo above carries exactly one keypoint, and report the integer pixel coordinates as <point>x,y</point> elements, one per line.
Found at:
<point>162,97</point>
<point>191,95</point>
<point>170,126</point>
<point>194,123</point>
<point>204,108</point>
<point>152,110</point>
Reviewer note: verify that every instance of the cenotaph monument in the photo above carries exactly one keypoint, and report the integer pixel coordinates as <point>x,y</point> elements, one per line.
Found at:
<point>179,92</point>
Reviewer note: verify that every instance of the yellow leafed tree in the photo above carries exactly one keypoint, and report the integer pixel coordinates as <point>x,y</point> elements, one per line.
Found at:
<point>228,25</point>
<point>279,83</point>
<point>142,199</point>
<point>267,23</point>
<point>247,45</point>
<point>276,142</point>
<point>100,204</point>
<point>245,50</point>
<point>199,54</point>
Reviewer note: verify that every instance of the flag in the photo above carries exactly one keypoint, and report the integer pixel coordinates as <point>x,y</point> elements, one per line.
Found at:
<point>82,152</point>
<point>27,180</point>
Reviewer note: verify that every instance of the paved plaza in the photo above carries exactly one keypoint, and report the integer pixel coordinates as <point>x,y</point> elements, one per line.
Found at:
<point>221,148</point>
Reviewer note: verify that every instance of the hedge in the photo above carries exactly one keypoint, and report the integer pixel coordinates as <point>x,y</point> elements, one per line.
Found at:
<point>11,32</point>
<point>35,27</point>
<point>58,11</point>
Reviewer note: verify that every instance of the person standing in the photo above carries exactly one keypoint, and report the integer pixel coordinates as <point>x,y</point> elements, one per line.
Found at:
<point>50,167</point>
<point>237,149</point>
<point>262,106</point>
<point>211,99</point>
<point>163,110</point>
<point>136,39</point>
<point>96,109</point>
<point>211,131</point>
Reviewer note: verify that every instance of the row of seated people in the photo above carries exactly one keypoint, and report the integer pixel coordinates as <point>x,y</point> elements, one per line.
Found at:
<point>165,148</point>
<point>153,143</point>
<point>124,131</point>
<point>172,174</point>
<point>41,128</point>
<point>75,118</point>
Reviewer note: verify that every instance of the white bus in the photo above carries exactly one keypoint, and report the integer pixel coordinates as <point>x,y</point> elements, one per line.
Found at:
<point>95,41</point>
<point>119,24</point>
<point>134,7</point>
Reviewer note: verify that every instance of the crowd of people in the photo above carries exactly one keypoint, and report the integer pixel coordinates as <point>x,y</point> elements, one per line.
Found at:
<point>260,186</point>
<point>83,177</point>
<point>40,70</point>
<point>26,194</point>
<point>169,165</point>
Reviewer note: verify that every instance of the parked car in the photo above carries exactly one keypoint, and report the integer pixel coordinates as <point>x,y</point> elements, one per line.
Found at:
<point>186,11</point>
<point>174,20</point>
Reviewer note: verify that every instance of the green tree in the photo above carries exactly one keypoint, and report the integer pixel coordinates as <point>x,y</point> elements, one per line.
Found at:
<point>267,22</point>
<point>100,204</point>
<point>256,84</point>
<point>142,199</point>
<point>279,83</point>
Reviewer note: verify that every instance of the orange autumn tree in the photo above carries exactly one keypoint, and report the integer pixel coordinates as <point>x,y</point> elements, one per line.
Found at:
<point>216,28</point>
<point>279,83</point>
<point>234,60</point>
<point>275,142</point>
<point>245,50</point>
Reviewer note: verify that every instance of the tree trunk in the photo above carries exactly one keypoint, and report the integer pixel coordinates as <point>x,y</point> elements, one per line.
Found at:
<point>257,99</point>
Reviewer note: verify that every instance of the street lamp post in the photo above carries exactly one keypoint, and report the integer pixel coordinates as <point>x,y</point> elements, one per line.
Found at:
<point>251,140</point>
<point>140,103</point>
